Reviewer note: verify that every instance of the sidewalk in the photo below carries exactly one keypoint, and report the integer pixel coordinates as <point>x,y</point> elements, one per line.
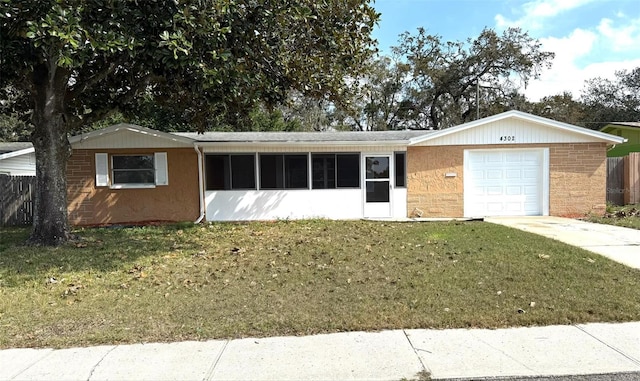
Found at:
<point>386,355</point>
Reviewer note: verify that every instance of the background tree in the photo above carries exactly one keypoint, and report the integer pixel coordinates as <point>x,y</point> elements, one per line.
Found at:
<point>616,100</point>
<point>76,61</point>
<point>446,76</point>
<point>379,104</point>
<point>561,107</point>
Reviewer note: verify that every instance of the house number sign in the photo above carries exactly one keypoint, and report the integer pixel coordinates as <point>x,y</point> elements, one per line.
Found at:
<point>508,138</point>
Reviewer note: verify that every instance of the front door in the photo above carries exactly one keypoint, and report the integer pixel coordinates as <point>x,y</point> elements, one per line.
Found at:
<point>377,186</point>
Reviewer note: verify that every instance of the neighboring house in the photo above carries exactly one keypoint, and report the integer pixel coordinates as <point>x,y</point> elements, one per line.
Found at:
<point>628,130</point>
<point>17,159</point>
<point>508,164</point>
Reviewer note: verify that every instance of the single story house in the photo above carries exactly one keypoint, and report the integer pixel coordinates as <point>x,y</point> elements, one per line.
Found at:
<point>628,130</point>
<point>507,164</point>
<point>17,159</point>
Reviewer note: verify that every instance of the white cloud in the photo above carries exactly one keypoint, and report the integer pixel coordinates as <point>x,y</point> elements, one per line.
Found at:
<point>535,13</point>
<point>593,50</point>
<point>566,73</point>
<point>623,37</point>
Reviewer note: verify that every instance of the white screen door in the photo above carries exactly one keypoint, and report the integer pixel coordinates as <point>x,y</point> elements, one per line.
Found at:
<point>377,186</point>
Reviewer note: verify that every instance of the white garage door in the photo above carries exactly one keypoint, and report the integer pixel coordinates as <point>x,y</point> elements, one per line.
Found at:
<point>505,182</point>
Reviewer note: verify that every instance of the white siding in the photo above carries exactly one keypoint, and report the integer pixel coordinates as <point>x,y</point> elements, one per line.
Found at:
<point>23,165</point>
<point>510,131</point>
<point>334,204</point>
<point>128,139</point>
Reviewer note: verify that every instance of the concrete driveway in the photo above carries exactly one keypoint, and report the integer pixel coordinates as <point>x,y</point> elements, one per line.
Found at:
<point>614,242</point>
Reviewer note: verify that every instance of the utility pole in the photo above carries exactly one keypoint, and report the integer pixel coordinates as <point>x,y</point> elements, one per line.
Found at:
<point>477,98</point>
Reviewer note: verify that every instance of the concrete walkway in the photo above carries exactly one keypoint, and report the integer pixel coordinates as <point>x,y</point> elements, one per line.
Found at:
<point>386,355</point>
<point>614,242</point>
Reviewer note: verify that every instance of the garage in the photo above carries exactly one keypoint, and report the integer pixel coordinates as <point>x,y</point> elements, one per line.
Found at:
<point>506,182</point>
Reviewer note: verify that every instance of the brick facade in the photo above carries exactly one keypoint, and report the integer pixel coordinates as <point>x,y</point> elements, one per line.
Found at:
<point>91,205</point>
<point>577,179</point>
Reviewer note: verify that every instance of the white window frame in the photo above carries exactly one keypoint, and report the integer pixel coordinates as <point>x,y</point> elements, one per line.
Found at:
<point>104,171</point>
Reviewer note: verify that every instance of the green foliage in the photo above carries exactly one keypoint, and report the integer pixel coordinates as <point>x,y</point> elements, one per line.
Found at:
<point>200,63</point>
<point>446,77</point>
<point>202,58</point>
<point>13,129</point>
<point>432,83</point>
<point>616,100</point>
<point>562,107</point>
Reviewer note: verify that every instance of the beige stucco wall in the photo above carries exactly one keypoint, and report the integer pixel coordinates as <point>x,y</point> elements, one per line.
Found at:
<point>90,205</point>
<point>577,178</point>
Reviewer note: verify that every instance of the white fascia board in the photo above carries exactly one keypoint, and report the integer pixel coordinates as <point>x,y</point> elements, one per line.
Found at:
<point>522,116</point>
<point>205,144</point>
<point>129,127</point>
<point>21,152</point>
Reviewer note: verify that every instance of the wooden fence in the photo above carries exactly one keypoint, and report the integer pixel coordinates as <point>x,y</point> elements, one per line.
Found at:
<point>623,179</point>
<point>16,200</point>
<point>615,180</point>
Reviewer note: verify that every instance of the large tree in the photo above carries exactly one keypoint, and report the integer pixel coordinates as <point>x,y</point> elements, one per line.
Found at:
<point>76,61</point>
<point>613,100</point>
<point>451,81</point>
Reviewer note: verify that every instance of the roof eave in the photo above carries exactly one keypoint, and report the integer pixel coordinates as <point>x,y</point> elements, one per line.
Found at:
<point>21,152</point>
<point>204,143</point>
<point>128,127</point>
<point>522,116</point>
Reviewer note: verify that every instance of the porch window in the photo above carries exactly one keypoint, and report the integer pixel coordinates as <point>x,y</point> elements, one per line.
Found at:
<point>229,172</point>
<point>330,171</point>
<point>280,171</point>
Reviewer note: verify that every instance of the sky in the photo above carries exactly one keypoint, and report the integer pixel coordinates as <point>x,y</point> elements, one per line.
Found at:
<point>591,38</point>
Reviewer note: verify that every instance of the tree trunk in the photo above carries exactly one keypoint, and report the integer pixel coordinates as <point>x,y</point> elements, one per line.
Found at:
<point>52,150</point>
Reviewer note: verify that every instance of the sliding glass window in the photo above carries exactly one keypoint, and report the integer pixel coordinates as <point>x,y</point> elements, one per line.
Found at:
<point>229,172</point>
<point>280,171</point>
<point>330,171</point>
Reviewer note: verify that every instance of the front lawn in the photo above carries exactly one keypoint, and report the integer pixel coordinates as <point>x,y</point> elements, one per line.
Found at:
<point>228,280</point>
<point>627,216</point>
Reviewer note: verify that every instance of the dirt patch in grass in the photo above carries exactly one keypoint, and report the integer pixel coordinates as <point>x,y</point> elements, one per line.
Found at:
<point>226,280</point>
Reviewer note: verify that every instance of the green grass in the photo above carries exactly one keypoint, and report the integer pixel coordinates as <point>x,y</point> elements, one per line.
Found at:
<point>226,280</point>
<point>627,216</point>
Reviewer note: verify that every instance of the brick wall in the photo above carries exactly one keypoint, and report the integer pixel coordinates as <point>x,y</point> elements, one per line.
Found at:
<point>429,191</point>
<point>577,183</point>
<point>90,205</point>
<point>577,179</point>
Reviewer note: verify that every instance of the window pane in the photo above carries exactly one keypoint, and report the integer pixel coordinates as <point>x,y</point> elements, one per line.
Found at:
<point>377,191</point>
<point>133,169</point>
<point>217,172</point>
<point>296,170</point>
<point>377,167</point>
<point>401,170</point>
<point>271,172</point>
<point>348,170</point>
<point>323,171</point>
<point>243,172</point>
<point>133,162</point>
<point>145,176</point>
